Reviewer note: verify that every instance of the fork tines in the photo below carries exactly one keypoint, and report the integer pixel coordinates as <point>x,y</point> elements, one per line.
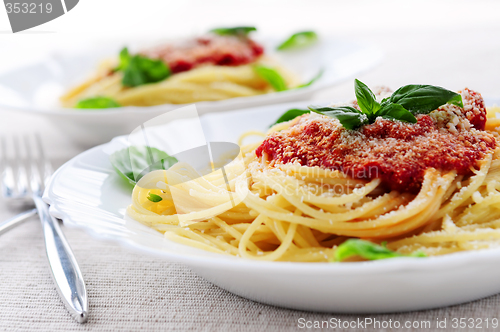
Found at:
<point>25,170</point>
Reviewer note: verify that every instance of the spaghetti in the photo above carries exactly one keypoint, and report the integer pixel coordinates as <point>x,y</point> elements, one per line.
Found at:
<point>279,205</point>
<point>208,68</point>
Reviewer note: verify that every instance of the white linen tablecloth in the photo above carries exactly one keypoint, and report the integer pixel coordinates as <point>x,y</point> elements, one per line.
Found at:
<point>130,291</point>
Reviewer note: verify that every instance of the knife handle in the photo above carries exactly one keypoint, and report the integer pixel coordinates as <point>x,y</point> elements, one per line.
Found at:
<point>63,266</point>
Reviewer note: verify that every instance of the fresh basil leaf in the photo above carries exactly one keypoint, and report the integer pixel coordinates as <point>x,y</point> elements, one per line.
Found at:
<point>290,115</point>
<point>140,70</point>
<point>139,158</point>
<point>322,110</point>
<point>314,79</point>
<point>299,40</point>
<point>133,75</point>
<point>124,59</point>
<point>365,97</point>
<point>456,100</point>
<point>97,102</point>
<point>272,77</point>
<point>367,250</point>
<point>423,99</point>
<point>154,198</point>
<point>396,112</point>
<point>236,31</point>
<point>385,101</point>
<point>349,117</point>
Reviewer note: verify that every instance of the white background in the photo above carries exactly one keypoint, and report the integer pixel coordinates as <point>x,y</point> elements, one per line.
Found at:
<point>429,34</point>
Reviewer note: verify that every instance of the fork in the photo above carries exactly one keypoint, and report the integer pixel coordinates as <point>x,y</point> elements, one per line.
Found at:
<point>24,186</point>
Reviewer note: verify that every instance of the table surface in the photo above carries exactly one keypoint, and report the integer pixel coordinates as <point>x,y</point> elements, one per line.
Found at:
<point>132,291</point>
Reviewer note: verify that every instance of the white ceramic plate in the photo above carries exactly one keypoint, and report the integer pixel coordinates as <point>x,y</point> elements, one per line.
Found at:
<point>87,193</point>
<point>36,88</point>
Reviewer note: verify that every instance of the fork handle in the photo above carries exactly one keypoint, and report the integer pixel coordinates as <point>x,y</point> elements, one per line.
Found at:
<point>17,220</point>
<point>63,266</point>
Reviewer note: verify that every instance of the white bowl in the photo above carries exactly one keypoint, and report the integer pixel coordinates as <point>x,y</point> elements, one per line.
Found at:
<point>87,193</point>
<point>35,89</point>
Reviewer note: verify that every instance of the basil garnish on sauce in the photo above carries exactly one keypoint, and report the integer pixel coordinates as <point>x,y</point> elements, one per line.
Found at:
<point>423,99</point>
<point>290,115</point>
<point>366,98</point>
<point>402,105</point>
<point>236,31</point>
<point>124,58</point>
<point>272,77</point>
<point>140,70</point>
<point>142,158</point>
<point>367,250</point>
<point>395,112</point>
<point>97,102</point>
<point>299,40</point>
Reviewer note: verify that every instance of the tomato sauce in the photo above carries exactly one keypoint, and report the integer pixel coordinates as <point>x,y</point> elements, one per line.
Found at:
<point>215,50</point>
<point>399,153</point>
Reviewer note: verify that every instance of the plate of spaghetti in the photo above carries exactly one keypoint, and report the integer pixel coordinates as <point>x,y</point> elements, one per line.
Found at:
<point>387,203</point>
<point>112,89</point>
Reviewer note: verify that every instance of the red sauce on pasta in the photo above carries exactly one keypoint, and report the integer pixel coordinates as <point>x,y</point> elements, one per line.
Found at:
<point>399,153</point>
<point>215,50</point>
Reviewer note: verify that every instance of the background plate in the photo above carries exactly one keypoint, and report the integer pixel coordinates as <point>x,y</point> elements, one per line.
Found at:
<point>36,88</point>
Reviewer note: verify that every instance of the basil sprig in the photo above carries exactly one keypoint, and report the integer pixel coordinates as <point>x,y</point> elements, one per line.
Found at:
<point>423,99</point>
<point>348,116</point>
<point>290,115</point>
<point>402,105</point>
<point>272,77</point>
<point>154,198</point>
<point>236,31</point>
<point>124,58</point>
<point>299,40</point>
<point>140,70</point>
<point>367,250</point>
<point>97,102</point>
<point>366,98</point>
<point>131,160</point>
